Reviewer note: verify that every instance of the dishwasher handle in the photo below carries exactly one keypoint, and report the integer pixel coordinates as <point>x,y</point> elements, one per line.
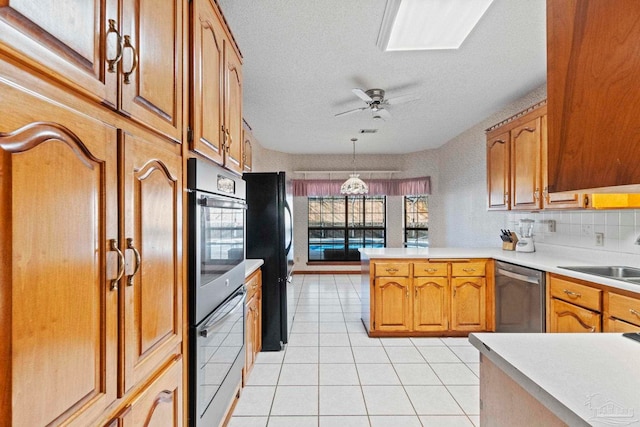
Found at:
<point>517,276</point>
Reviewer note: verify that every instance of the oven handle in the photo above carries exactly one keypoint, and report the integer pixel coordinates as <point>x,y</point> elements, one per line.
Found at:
<point>517,276</point>
<point>212,202</point>
<point>211,324</point>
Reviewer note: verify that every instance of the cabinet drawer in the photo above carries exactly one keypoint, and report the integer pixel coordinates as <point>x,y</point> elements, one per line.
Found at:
<point>624,308</point>
<point>391,269</point>
<point>471,269</point>
<point>438,269</point>
<point>575,293</point>
<point>253,283</point>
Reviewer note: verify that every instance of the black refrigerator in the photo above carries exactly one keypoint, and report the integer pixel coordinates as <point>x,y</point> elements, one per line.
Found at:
<point>269,236</point>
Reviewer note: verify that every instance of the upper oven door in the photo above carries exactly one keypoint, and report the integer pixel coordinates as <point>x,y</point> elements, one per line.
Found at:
<point>217,250</point>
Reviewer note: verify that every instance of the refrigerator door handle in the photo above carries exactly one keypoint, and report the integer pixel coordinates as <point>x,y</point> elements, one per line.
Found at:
<point>288,245</point>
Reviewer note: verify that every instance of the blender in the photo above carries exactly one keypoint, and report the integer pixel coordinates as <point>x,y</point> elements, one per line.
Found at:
<point>525,243</point>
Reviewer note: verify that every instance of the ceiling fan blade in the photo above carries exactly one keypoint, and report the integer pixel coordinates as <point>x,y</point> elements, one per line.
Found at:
<point>355,110</point>
<point>401,99</point>
<point>362,95</point>
<point>382,113</point>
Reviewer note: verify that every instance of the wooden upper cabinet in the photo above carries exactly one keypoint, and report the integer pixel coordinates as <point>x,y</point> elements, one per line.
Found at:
<point>151,64</point>
<point>233,110</point>
<point>207,85</point>
<point>593,74</point>
<point>498,182</point>
<point>525,159</point>
<point>105,49</point>
<point>216,89</point>
<point>58,325</point>
<point>69,39</point>
<point>152,283</point>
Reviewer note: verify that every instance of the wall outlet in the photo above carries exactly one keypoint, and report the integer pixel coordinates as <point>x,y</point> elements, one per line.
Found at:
<point>587,229</point>
<point>599,239</point>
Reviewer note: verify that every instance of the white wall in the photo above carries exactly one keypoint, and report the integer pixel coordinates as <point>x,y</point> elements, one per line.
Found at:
<point>458,213</point>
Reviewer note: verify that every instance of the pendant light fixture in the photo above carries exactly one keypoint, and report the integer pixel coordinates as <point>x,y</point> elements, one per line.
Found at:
<point>354,185</point>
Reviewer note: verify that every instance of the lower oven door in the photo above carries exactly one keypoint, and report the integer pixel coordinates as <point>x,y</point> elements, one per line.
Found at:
<point>219,357</point>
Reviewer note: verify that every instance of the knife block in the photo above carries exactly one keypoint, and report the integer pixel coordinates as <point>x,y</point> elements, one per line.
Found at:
<point>510,246</point>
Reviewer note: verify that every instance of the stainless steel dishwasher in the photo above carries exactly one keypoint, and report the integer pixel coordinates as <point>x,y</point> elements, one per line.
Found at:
<point>520,298</point>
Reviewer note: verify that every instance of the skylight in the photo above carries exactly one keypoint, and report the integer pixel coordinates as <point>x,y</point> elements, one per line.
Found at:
<point>429,24</point>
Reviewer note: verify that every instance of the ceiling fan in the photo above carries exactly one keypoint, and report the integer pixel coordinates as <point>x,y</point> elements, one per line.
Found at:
<point>376,102</point>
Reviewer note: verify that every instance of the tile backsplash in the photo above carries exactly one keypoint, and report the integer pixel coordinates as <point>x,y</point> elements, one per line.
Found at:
<point>578,229</point>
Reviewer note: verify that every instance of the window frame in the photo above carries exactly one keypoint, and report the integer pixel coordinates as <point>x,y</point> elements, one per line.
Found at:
<point>348,228</point>
<point>407,229</point>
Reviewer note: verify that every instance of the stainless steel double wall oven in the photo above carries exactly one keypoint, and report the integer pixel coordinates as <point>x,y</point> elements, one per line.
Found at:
<point>217,294</point>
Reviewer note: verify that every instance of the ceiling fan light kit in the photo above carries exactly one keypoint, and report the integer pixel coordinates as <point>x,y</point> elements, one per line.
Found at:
<point>354,185</point>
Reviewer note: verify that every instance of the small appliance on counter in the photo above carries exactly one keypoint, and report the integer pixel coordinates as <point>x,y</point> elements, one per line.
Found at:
<point>525,243</point>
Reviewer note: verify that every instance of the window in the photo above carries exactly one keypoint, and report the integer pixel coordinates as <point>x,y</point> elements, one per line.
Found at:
<point>338,226</point>
<point>416,222</point>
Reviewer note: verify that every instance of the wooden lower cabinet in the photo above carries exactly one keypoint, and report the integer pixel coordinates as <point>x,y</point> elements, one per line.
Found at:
<point>469,302</point>
<point>622,313</point>
<point>431,304</point>
<point>427,298</point>
<point>160,404</point>
<point>567,317</point>
<point>253,321</point>
<point>393,304</point>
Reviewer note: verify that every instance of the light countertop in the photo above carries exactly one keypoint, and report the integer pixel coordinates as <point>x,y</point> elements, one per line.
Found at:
<point>546,258</point>
<point>573,375</point>
<point>251,265</point>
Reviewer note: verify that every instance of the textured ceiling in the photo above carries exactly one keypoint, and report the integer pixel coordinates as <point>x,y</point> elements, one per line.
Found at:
<point>303,57</point>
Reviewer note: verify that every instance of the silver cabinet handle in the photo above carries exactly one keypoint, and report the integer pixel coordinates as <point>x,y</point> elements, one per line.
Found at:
<point>634,312</point>
<point>468,270</point>
<point>138,260</point>
<point>113,245</point>
<point>391,270</point>
<point>430,270</point>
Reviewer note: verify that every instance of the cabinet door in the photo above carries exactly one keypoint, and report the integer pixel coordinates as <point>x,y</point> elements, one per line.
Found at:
<point>58,323</point>
<point>393,304</point>
<point>151,65</point>
<point>616,325</point>
<point>431,304</point>
<point>588,107</point>
<point>247,154</point>
<point>207,86</point>
<point>69,40</point>
<point>161,403</point>
<point>468,306</point>
<point>525,161</point>
<point>233,110</point>
<point>555,200</point>
<point>498,172</point>
<point>565,317</point>
<point>151,289</point>
<point>250,337</point>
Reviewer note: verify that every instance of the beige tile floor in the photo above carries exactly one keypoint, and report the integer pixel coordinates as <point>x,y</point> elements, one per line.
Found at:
<point>331,374</point>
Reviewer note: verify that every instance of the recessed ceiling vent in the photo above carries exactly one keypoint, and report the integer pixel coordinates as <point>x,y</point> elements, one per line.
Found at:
<point>368,130</point>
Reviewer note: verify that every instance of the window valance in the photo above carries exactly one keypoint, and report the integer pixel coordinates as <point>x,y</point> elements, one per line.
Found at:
<point>377,187</point>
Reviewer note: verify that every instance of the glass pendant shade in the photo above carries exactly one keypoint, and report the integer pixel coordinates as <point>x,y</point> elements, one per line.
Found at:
<point>354,185</point>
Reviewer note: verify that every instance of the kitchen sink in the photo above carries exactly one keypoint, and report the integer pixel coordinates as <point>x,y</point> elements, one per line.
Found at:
<point>629,274</point>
